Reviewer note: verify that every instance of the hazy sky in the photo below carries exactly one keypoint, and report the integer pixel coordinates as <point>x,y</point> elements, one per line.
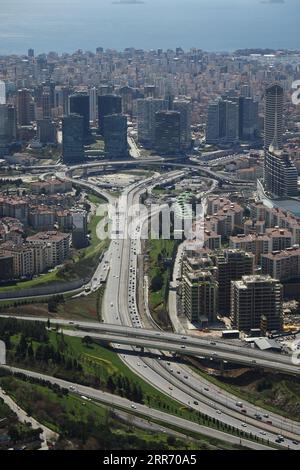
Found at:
<point>65,25</point>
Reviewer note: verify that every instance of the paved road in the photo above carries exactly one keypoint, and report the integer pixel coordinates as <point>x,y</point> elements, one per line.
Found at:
<point>47,434</point>
<point>120,308</point>
<point>182,344</point>
<point>117,401</point>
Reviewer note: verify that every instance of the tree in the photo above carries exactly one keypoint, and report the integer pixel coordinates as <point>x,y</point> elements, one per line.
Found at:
<point>156,283</point>
<point>87,340</point>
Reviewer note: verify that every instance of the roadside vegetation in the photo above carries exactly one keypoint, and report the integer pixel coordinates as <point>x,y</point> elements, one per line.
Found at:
<point>42,348</point>
<point>84,307</point>
<point>15,434</point>
<point>87,425</point>
<point>277,393</point>
<point>161,260</point>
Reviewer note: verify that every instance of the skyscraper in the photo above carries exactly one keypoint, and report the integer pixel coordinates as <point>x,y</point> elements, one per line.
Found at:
<point>115,135</point>
<point>46,105</point>
<point>2,92</point>
<point>232,122</point>
<point>184,108</point>
<point>23,106</point>
<point>212,124</point>
<point>93,105</point>
<point>80,104</point>
<point>223,122</point>
<point>254,297</point>
<point>273,115</point>
<point>146,109</point>
<point>248,118</point>
<point>108,104</point>
<point>7,126</point>
<point>280,174</point>
<point>167,132</point>
<point>46,131</point>
<point>73,138</point>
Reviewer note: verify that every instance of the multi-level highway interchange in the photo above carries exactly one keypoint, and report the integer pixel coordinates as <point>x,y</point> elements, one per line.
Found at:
<point>124,327</point>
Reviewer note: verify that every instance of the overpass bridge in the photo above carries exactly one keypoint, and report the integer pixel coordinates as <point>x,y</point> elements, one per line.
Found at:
<point>181,344</point>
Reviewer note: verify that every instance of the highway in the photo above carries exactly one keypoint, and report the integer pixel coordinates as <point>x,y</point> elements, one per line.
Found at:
<point>186,344</point>
<point>120,311</point>
<point>137,408</point>
<point>120,308</point>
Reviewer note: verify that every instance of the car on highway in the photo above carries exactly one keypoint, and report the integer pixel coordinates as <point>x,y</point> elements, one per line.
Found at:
<point>133,407</point>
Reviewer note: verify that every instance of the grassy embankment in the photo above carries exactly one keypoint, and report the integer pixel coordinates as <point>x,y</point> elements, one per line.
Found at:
<point>161,255</point>
<point>89,425</point>
<point>274,392</point>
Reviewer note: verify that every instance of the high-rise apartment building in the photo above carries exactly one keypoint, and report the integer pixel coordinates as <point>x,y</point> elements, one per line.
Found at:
<point>273,115</point>
<point>167,132</point>
<point>282,265</point>
<point>73,138</point>
<point>108,104</point>
<point>254,297</point>
<point>231,265</point>
<point>200,296</point>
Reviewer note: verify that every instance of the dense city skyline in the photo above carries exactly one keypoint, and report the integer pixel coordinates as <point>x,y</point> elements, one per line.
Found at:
<point>149,228</point>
